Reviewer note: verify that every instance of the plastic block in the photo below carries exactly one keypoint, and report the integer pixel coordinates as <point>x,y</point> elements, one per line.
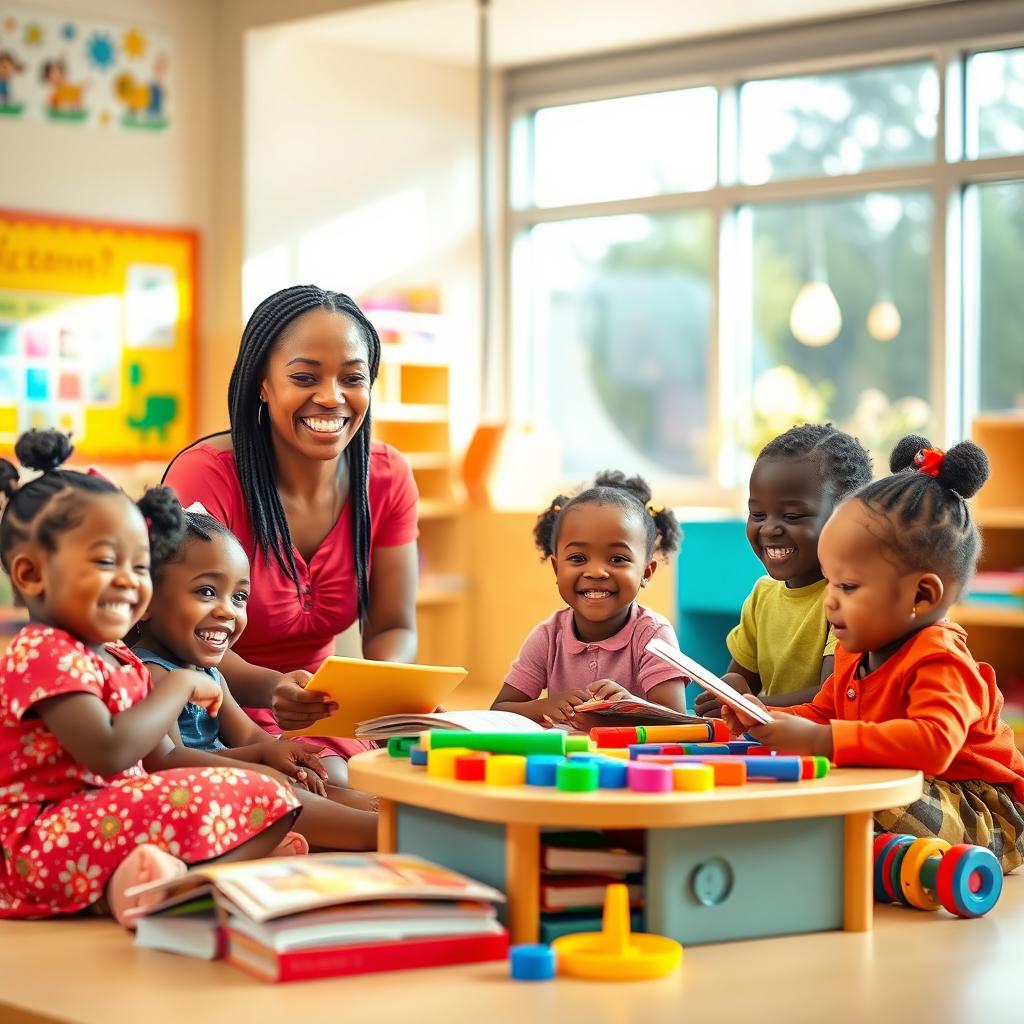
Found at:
<point>399,746</point>
<point>576,744</point>
<point>647,777</point>
<point>577,776</point>
<point>532,962</point>
<point>505,770</point>
<point>542,768</point>
<point>418,756</point>
<point>694,778</point>
<point>612,774</point>
<point>441,763</point>
<point>471,767</point>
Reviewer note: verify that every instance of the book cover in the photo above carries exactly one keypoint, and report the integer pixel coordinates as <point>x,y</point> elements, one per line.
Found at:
<point>274,887</point>
<point>585,851</point>
<point>331,962</point>
<point>189,929</point>
<point>562,892</point>
<point>634,709</point>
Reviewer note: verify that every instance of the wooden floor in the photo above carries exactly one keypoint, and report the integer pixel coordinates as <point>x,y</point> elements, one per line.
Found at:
<point>912,967</point>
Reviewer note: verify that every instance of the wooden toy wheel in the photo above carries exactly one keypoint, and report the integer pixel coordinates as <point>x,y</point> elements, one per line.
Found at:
<point>890,870</point>
<point>969,880</point>
<point>910,872</point>
<point>883,843</point>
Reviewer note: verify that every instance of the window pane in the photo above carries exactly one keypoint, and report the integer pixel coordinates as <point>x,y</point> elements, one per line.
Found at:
<point>998,299</point>
<point>619,310</point>
<point>995,103</point>
<point>625,148</point>
<point>838,123</point>
<point>864,360</point>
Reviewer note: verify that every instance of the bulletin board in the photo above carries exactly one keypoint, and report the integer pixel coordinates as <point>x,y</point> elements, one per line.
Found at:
<point>97,334</point>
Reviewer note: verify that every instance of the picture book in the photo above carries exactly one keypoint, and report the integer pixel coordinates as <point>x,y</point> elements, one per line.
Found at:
<point>700,675</point>
<point>629,708</point>
<point>266,889</point>
<point>366,690</point>
<point>462,721</point>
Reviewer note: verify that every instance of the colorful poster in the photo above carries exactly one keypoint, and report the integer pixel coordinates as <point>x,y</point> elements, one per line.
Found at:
<point>74,71</point>
<point>97,335</point>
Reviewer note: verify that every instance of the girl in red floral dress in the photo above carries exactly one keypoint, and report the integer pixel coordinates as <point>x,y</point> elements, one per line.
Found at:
<point>94,796</point>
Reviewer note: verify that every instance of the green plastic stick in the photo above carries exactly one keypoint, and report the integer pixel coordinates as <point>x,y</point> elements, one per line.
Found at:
<point>548,742</point>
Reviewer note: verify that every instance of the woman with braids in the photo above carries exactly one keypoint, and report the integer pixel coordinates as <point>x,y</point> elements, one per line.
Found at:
<point>782,648</point>
<point>326,517</point>
<point>601,545</point>
<point>94,795</point>
<point>906,691</point>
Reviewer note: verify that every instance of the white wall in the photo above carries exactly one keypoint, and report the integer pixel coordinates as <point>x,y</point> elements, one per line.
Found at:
<point>361,171</point>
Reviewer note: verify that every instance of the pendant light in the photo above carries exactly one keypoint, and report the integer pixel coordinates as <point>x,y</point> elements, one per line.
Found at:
<point>815,318</point>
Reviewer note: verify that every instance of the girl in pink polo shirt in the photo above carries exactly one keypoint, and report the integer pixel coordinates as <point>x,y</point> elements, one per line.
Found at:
<point>601,544</point>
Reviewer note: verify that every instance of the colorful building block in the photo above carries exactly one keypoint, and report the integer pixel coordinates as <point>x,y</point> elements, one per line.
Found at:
<point>577,776</point>
<point>693,778</point>
<point>441,763</point>
<point>534,962</point>
<point>551,741</point>
<point>542,768</point>
<point>418,756</point>
<point>646,777</point>
<point>505,770</point>
<point>612,774</point>
<point>471,767</point>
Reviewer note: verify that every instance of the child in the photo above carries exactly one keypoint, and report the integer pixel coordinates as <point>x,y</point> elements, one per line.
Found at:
<point>781,648</point>
<point>198,611</point>
<point>82,819</point>
<point>601,546</point>
<point>906,691</point>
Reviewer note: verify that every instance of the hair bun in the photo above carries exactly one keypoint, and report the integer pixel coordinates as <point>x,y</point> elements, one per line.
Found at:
<point>965,469</point>
<point>45,450</point>
<point>902,456</point>
<point>617,479</point>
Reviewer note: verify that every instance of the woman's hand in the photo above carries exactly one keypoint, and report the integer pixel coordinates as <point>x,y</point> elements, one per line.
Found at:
<point>294,706</point>
<point>297,762</point>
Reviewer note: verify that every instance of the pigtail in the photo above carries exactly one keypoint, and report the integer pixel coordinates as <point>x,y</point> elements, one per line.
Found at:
<point>965,469</point>
<point>9,478</point>
<point>669,532</point>
<point>165,520</point>
<point>902,457</point>
<point>544,531</point>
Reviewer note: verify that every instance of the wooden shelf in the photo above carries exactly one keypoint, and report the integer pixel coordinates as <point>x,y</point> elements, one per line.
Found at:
<point>986,615</point>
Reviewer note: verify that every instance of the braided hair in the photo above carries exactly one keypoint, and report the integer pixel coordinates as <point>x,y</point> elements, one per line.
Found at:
<point>927,523</point>
<point>195,526</point>
<point>52,503</point>
<point>612,487</point>
<point>844,462</point>
<point>250,439</point>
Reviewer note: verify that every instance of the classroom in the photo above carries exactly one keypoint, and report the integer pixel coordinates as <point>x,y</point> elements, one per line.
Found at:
<point>613,411</point>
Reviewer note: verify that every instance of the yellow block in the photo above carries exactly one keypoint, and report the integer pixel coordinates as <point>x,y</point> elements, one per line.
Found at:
<point>693,777</point>
<point>441,763</point>
<point>622,753</point>
<point>505,770</point>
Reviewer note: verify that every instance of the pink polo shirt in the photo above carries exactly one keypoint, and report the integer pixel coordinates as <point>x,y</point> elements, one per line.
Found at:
<point>552,658</point>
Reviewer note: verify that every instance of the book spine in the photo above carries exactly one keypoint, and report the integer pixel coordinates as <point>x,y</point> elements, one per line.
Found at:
<point>339,961</point>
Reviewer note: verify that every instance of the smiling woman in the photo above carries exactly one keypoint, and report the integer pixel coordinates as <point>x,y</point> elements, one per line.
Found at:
<point>313,501</point>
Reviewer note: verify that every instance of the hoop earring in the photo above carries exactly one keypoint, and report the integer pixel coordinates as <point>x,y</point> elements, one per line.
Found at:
<point>259,413</point>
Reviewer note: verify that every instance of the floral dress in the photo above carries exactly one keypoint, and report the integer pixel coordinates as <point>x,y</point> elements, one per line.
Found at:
<point>63,828</point>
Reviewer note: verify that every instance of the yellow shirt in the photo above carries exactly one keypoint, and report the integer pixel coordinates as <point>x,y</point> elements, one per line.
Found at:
<point>782,635</point>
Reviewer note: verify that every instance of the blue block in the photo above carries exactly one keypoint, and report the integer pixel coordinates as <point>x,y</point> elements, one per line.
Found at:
<point>541,769</point>
<point>742,746</point>
<point>612,774</point>
<point>418,755</point>
<point>531,962</point>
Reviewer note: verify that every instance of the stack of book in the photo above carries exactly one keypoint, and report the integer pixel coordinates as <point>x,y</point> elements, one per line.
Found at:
<point>1000,587</point>
<point>576,868</point>
<point>328,914</point>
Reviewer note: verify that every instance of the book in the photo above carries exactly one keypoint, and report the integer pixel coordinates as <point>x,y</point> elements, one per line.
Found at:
<point>336,961</point>
<point>561,892</point>
<point>636,709</point>
<point>372,689</point>
<point>188,929</point>
<point>700,675</point>
<point>276,886</point>
<point>587,851</point>
<point>460,721</point>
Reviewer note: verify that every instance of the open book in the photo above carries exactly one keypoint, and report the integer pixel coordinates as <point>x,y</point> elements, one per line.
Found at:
<point>635,709</point>
<point>460,721</point>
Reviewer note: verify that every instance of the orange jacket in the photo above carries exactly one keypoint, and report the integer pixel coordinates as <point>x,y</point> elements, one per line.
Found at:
<point>931,706</point>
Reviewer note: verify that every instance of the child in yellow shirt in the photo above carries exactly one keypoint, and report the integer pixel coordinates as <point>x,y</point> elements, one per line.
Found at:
<point>782,649</point>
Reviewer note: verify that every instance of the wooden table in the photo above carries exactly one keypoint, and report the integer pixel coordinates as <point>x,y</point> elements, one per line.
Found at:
<point>768,858</point>
<point>913,966</point>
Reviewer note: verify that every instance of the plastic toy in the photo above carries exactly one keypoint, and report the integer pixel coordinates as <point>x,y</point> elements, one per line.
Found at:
<point>928,873</point>
<point>532,962</point>
<point>693,778</point>
<point>614,953</point>
<point>551,741</point>
<point>623,736</point>
<point>650,778</point>
<point>502,769</point>
<point>472,767</point>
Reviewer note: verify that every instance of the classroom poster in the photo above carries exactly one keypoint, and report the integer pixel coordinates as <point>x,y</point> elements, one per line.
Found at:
<point>78,71</point>
<point>97,335</point>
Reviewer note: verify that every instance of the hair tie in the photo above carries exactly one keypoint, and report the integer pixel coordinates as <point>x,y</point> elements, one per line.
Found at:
<point>100,475</point>
<point>557,508</point>
<point>197,508</point>
<point>929,461</point>
<point>654,510</point>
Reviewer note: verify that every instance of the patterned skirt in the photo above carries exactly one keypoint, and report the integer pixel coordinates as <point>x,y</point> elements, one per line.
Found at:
<point>58,858</point>
<point>964,812</point>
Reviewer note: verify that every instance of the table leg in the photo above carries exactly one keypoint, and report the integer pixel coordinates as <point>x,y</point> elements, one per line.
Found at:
<point>857,880</point>
<point>522,881</point>
<point>387,833</point>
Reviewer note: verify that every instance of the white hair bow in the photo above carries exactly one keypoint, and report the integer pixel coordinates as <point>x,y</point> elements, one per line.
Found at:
<point>199,509</point>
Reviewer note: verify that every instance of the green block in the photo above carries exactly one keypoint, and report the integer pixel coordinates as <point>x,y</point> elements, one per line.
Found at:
<point>551,741</point>
<point>577,776</point>
<point>399,746</point>
<point>577,744</point>
<point>820,766</point>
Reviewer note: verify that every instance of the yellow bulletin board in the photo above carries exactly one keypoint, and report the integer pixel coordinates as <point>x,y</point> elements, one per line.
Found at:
<point>97,334</point>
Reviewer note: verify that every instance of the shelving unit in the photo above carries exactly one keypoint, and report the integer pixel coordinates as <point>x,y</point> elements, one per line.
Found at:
<point>997,632</point>
<point>411,412</point>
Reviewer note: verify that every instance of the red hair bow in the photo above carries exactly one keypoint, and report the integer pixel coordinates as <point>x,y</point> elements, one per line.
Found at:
<point>929,460</point>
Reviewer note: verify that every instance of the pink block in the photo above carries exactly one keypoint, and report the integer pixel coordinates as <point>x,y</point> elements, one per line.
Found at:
<point>647,777</point>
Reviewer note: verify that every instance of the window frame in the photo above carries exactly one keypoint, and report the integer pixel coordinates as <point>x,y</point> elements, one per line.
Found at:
<point>945,36</point>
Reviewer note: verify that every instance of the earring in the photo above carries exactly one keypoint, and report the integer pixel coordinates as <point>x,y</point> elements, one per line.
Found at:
<point>913,612</point>
<point>259,413</point>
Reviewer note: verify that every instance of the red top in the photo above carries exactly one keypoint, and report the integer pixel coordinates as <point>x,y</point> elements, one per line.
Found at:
<point>931,706</point>
<point>287,630</point>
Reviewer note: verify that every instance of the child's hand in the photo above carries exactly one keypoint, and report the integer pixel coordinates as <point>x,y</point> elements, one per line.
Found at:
<point>737,721</point>
<point>607,689</point>
<point>560,709</point>
<point>294,706</point>
<point>789,734</point>
<point>206,692</point>
<point>296,761</point>
<point>707,705</point>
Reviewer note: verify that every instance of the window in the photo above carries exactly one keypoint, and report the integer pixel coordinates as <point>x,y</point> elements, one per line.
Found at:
<point>697,268</point>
